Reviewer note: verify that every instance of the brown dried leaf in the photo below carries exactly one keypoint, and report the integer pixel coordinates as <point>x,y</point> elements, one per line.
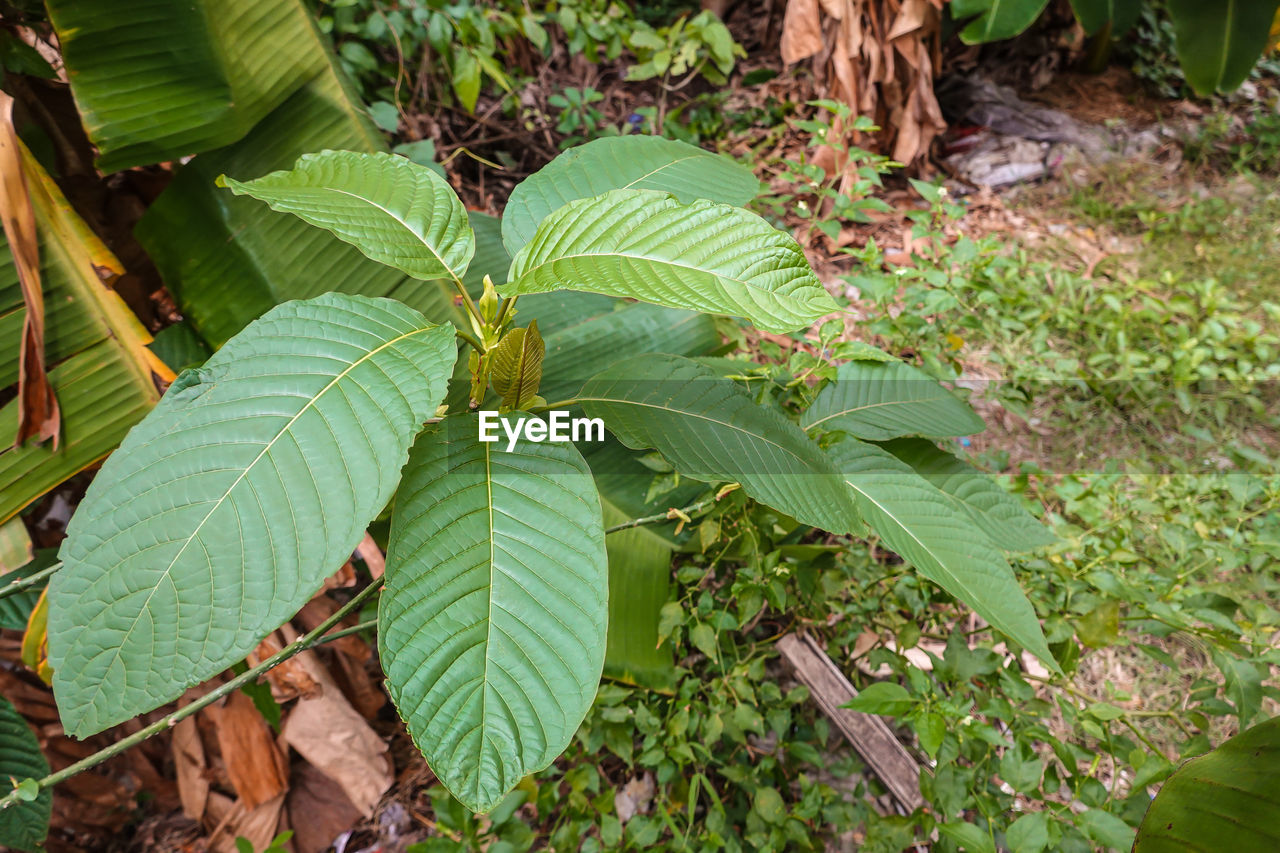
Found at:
<point>801,30</point>
<point>290,679</point>
<point>330,734</point>
<point>189,765</point>
<point>318,809</point>
<point>254,762</point>
<point>38,413</point>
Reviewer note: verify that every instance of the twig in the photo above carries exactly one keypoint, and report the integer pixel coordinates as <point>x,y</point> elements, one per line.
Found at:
<point>669,515</point>
<point>20,584</point>
<point>167,722</point>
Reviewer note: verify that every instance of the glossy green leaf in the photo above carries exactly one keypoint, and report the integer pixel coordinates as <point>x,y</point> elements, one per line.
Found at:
<point>492,625</point>
<point>999,19</point>
<point>701,256</point>
<point>250,482</point>
<point>712,430</point>
<point>926,528</point>
<point>25,824</point>
<point>156,80</point>
<point>996,512</point>
<point>581,348</point>
<point>228,259</point>
<point>878,401</point>
<point>1093,15</point>
<point>390,208</point>
<point>1219,43</point>
<point>1226,799</point>
<point>623,162</point>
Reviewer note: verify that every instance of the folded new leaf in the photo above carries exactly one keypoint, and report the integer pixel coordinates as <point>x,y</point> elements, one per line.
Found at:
<point>702,256</point>
<point>492,625</point>
<point>227,506</point>
<point>391,209</point>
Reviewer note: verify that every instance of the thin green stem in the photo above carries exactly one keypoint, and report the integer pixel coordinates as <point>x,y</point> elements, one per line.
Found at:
<point>503,310</point>
<point>169,721</point>
<point>669,515</point>
<point>20,584</point>
<point>468,302</point>
<point>471,339</point>
<point>558,404</point>
<point>347,632</point>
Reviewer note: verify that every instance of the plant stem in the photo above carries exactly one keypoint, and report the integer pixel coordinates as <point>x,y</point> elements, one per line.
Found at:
<point>558,404</point>
<point>471,339</point>
<point>167,722</point>
<point>469,302</point>
<point>503,310</point>
<point>20,584</point>
<point>662,516</point>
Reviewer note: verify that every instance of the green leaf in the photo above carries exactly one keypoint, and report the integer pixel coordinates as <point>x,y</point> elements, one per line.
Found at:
<point>1226,799</point>
<point>517,366</point>
<point>1219,43</point>
<point>924,527</point>
<point>390,208</point>
<point>466,78</point>
<point>878,401</point>
<point>710,429</point>
<point>617,163</point>
<point>768,804</point>
<point>26,824</point>
<point>1002,19</point>
<point>701,256</point>
<point>250,482</point>
<point>1093,15</point>
<point>971,837</point>
<point>883,697</point>
<point>581,348</point>
<point>492,626</point>
<point>227,259</point>
<point>1029,833</point>
<point>1112,833</point>
<point>999,514</point>
<point>156,80</point>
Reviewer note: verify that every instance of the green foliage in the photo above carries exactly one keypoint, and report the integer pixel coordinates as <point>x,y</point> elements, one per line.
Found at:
<point>189,546</point>
<point>215,480</point>
<point>27,823</point>
<point>1220,800</point>
<point>698,45</point>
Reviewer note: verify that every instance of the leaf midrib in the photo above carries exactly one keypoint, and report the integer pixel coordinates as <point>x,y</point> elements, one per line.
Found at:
<point>168,570</point>
<point>916,401</point>
<point>405,225</point>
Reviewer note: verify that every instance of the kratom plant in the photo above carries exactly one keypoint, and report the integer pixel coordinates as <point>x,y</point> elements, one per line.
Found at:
<point>257,474</point>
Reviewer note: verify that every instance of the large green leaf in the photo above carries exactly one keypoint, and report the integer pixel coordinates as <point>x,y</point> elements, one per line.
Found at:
<point>25,825</point>
<point>227,259</point>
<point>1219,43</point>
<point>1227,799</point>
<point>998,513</point>
<point>622,162</point>
<point>1096,14</point>
<point>576,351</point>
<point>391,209</point>
<point>880,400</point>
<point>104,376</point>
<point>156,80</point>
<point>639,586</point>
<point>492,625</point>
<point>222,512</point>
<point>997,19</point>
<point>927,529</point>
<point>701,256</point>
<point>710,429</point>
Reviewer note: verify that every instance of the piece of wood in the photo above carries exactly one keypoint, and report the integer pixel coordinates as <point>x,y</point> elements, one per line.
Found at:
<point>869,734</point>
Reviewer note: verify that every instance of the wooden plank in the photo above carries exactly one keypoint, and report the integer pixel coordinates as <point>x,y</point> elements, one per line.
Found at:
<point>869,734</point>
